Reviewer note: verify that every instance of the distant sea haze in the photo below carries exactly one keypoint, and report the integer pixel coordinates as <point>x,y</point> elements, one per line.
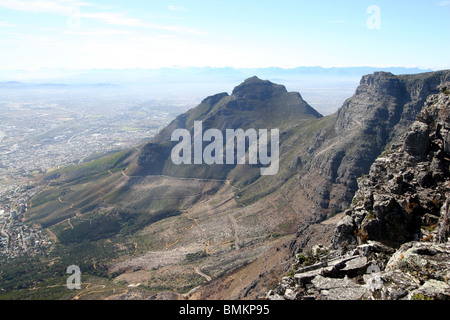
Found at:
<point>324,88</point>
<point>127,76</point>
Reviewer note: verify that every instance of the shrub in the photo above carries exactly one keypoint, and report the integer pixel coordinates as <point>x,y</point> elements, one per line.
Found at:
<point>420,296</point>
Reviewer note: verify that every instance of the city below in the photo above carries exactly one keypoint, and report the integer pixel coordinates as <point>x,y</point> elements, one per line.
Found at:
<point>42,130</point>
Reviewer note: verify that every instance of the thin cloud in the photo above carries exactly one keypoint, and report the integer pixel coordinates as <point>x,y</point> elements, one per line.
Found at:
<point>112,18</point>
<point>97,32</point>
<point>338,21</point>
<point>177,8</point>
<point>443,3</point>
<point>122,20</point>
<point>73,8</point>
<point>62,7</point>
<point>4,24</point>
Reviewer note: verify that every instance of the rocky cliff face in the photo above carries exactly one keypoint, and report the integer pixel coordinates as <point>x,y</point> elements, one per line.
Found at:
<point>393,242</point>
<point>383,106</point>
<point>403,196</point>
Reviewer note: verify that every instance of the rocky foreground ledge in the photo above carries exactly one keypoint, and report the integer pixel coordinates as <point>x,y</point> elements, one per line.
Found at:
<point>394,241</point>
<point>417,270</point>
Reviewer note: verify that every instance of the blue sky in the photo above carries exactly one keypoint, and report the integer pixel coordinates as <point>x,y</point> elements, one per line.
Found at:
<point>102,34</point>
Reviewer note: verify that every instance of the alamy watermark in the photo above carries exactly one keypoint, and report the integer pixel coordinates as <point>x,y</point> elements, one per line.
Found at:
<point>74,281</point>
<point>375,282</point>
<point>374,20</point>
<point>74,18</point>
<point>214,152</point>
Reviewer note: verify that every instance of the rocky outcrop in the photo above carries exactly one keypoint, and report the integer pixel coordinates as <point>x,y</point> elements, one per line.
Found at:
<point>417,270</point>
<point>405,195</point>
<point>382,108</point>
<point>393,242</point>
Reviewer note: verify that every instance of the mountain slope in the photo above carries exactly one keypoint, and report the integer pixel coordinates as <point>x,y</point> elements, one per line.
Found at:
<point>254,104</point>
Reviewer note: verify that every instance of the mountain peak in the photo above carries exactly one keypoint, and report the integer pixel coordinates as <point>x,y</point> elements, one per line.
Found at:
<point>254,79</point>
<point>255,88</point>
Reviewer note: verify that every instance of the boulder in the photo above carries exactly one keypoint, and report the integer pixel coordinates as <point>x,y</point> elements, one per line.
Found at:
<point>354,267</point>
<point>422,260</point>
<point>305,278</point>
<point>344,232</point>
<point>416,141</point>
<point>338,289</point>
<point>272,295</point>
<point>431,290</point>
<point>290,294</point>
<point>395,285</point>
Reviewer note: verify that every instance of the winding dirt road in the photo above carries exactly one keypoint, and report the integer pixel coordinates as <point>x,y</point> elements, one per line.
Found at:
<point>198,271</point>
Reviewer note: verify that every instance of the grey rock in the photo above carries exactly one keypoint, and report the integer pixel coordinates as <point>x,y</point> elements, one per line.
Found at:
<point>374,247</point>
<point>271,295</point>
<point>355,266</point>
<point>396,286</point>
<point>312,267</point>
<point>358,216</point>
<point>424,261</point>
<point>344,232</point>
<point>431,289</point>
<point>302,279</point>
<point>290,294</point>
<point>338,289</point>
<point>416,141</point>
<point>285,283</point>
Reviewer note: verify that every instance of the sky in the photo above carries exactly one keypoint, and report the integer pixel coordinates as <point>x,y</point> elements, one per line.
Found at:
<point>148,34</point>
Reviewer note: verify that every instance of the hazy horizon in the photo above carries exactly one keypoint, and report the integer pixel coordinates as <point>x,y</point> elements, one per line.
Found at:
<point>325,89</point>
<point>64,73</point>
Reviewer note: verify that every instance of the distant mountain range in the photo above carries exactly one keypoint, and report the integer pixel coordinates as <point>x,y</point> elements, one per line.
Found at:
<point>136,76</point>
<point>324,88</point>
